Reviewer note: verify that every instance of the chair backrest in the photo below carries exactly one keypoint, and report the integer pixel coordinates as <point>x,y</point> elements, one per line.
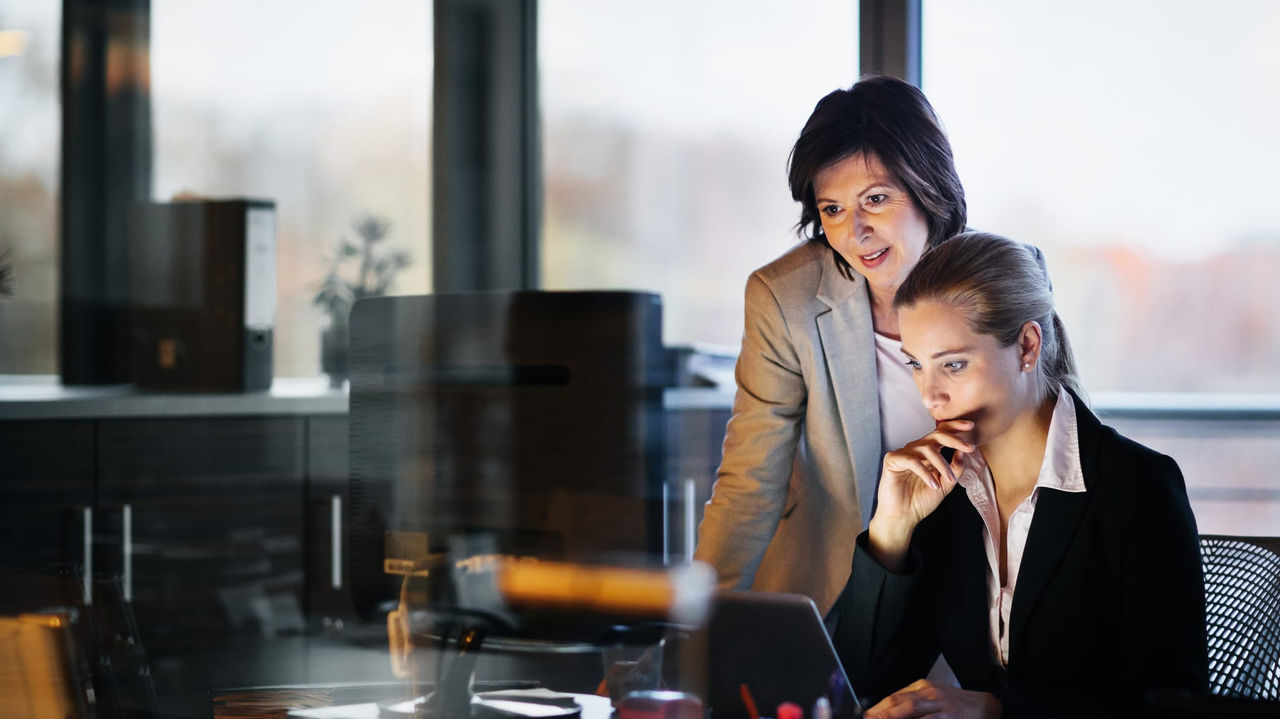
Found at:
<point>1242,603</point>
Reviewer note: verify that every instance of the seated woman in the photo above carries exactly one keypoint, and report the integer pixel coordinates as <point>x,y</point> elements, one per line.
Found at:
<point>1053,562</point>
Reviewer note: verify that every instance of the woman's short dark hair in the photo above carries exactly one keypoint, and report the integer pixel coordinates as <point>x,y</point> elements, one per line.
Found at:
<point>891,120</point>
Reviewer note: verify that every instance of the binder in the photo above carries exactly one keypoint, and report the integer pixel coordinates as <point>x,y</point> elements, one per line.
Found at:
<point>203,295</point>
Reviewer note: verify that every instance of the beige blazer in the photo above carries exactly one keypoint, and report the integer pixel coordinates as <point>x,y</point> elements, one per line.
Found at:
<point>802,449</point>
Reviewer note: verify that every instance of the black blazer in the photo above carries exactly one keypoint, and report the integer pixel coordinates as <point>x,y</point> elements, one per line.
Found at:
<point>1109,603</point>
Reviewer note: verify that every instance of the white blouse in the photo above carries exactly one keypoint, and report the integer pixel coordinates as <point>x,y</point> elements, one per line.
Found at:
<point>903,417</point>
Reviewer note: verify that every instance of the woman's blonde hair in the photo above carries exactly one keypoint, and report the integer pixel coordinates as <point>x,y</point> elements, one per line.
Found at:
<point>1000,285</point>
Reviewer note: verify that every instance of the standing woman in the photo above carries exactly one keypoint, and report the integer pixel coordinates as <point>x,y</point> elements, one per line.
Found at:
<point>1054,563</point>
<point>821,393</point>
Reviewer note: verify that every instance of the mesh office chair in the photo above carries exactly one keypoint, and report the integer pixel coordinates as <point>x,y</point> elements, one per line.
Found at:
<point>1242,602</point>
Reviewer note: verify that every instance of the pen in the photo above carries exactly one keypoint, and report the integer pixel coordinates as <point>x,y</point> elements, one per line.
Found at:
<point>748,701</point>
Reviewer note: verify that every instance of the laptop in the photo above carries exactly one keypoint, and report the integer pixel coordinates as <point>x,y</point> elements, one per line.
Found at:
<point>777,646</point>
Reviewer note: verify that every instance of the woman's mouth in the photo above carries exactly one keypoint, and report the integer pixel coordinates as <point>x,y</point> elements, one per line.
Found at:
<point>875,258</point>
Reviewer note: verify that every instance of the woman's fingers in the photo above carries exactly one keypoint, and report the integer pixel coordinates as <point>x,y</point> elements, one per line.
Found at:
<point>947,436</point>
<point>919,467</point>
<point>925,458</point>
<point>951,447</point>
<point>905,704</point>
<point>933,455</point>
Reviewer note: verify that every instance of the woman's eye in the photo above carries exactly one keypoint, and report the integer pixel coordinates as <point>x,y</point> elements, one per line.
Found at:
<point>956,366</point>
<point>830,210</point>
<point>914,365</point>
<point>876,199</point>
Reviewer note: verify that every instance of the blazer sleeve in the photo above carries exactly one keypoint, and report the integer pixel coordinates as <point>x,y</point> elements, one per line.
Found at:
<point>748,498</point>
<point>1162,599</point>
<point>884,634</point>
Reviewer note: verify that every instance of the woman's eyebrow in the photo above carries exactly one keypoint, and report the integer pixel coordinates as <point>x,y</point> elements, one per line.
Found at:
<point>878,183</point>
<point>940,353</point>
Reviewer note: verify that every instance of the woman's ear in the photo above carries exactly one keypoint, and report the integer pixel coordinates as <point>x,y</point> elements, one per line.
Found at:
<point>1029,340</point>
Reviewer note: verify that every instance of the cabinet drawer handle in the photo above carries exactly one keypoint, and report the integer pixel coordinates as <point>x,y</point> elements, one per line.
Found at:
<point>87,580</point>
<point>335,541</point>
<point>690,518</point>
<point>126,515</point>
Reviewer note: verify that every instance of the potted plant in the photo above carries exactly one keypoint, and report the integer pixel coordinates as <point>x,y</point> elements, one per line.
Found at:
<point>358,269</point>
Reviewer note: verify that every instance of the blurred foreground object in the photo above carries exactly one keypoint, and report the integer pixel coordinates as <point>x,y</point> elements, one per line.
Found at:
<point>38,668</point>
<point>682,594</point>
<point>518,424</point>
<point>660,705</point>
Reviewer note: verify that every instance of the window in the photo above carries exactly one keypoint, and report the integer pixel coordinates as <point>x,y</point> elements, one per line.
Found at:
<point>324,110</point>
<point>1135,144</point>
<point>30,123</point>
<point>666,129</point>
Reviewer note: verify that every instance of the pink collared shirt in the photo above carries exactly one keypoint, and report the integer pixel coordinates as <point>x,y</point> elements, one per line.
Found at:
<point>1061,471</point>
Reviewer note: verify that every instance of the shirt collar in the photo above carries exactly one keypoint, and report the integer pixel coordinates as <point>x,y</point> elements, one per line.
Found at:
<point>1061,469</point>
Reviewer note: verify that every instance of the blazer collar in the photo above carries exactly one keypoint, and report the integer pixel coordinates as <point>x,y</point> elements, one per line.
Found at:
<point>834,288</point>
<point>1053,526</point>
<point>848,347</point>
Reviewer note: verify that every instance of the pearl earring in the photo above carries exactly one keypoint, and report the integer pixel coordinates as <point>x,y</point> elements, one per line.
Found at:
<point>1026,365</point>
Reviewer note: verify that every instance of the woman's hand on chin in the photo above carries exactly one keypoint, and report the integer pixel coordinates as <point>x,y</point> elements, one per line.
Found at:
<point>916,478</point>
<point>913,482</point>
<point>926,699</point>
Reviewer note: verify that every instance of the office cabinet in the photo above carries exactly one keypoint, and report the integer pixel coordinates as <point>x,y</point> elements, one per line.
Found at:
<point>694,439</point>
<point>202,520</point>
<point>217,543</point>
<point>46,496</point>
<point>327,502</point>
<point>340,646</point>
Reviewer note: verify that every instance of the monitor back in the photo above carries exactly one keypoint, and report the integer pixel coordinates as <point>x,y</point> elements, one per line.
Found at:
<point>532,420</point>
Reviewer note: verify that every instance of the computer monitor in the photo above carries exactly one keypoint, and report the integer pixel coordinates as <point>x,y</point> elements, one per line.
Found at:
<point>528,420</point>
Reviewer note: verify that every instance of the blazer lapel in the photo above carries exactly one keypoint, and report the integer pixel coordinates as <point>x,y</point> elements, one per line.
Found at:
<point>848,345</point>
<point>1053,528</point>
<point>970,628</point>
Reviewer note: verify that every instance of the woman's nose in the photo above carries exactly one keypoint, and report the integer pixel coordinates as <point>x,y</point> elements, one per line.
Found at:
<point>861,224</point>
<point>932,395</point>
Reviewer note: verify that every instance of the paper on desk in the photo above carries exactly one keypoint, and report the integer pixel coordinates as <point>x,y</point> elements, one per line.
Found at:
<point>593,707</point>
<point>348,711</point>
